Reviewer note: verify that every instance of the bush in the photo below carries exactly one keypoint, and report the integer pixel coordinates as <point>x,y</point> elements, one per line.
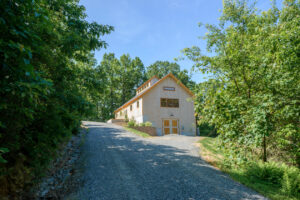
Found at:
<point>148,123</point>
<point>126,119</point>
<point>142,124</point>
<point>269,172</point>
<point>131,123</point>
<point>290,183</point>
<point>207,130</point>
<point>286,177</point>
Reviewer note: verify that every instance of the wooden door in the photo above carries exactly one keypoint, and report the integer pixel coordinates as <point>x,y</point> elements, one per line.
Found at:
<point>170,126</point>
<point>166,126</point>
<point>174,126</point>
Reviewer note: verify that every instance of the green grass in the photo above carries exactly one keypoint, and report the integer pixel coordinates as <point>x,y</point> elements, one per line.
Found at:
<point>212,154</point>
<point>210,144</point>
<point>142,134</point>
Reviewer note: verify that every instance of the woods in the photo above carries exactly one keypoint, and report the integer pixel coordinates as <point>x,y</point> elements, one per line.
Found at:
<point>253,99</point>
<point>46,54</point>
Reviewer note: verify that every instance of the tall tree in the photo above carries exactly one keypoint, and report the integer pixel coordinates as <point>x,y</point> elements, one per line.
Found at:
<point>132,75</point>
<point>121,76</point>
<point>162,68</point>
<point>255,103</point>
<point>46,66</point>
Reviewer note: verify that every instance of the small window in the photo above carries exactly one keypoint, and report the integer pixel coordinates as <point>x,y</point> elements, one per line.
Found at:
<point>169,88</point>
<point>130,107</point>
<point>121,113</point>
<point>137,104</point>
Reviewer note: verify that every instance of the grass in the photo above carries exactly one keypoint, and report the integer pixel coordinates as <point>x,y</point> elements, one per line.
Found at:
<point>209,152</point>
<point>142,134</point>
<point>214,156</point>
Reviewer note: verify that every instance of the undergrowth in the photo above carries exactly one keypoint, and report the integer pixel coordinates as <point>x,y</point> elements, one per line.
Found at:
<point>276,181</point>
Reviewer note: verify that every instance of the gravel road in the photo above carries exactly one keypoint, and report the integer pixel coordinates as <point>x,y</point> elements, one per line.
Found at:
<point>121,165</point>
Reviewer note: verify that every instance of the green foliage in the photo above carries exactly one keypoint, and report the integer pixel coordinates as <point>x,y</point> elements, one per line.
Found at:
<point>142,124</point>
<point>46,82</point>
<point>142,134</point>
<point>147,123</point>
<point>3,151</point>
<point>274,180</point>
<point>126,119</point>
<point>120,78</point>
<point>252,98</point>
<point>131,123</point>
<point>291,182</point>
<point>269,172</point>
<point>207,130</point>
<point>162,68</point>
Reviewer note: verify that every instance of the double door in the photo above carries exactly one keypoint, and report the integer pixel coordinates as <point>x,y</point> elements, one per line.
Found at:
<point>170,126</point>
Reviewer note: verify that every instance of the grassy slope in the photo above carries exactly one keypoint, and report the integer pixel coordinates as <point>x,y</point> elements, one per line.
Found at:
<point>214,156</point>
<point>145,135</point>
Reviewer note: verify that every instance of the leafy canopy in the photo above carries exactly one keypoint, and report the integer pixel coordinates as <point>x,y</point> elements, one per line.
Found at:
<point>253,99</point>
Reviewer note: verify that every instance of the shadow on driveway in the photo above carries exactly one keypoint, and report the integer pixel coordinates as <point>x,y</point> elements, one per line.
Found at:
<point>121,165</point>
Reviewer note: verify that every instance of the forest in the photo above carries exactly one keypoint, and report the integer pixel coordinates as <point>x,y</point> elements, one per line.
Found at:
<point>51,81</point>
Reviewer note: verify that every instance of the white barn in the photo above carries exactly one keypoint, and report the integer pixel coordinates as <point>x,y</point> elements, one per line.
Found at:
<point>166,103</point>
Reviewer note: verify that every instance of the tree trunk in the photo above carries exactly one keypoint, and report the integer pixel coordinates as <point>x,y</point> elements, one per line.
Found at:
<point>264,149</point>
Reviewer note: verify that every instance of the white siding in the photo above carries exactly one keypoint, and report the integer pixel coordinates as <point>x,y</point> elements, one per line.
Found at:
<point>136,113</point>
<point>154,113</point>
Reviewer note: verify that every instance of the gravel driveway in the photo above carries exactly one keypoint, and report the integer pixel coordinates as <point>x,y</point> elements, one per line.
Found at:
<point>121,165</point>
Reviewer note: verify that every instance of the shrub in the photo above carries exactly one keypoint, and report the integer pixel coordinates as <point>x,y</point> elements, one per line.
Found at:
<point>269,172</point>
<point>148,123</point>
<point>131,123</point>
<point>290,183</point>
<point>126,119</point>
<point>142,124</point>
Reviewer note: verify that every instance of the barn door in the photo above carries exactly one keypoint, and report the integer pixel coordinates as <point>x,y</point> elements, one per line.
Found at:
<point>170,126</point>
<point>166,126</point>
<point>174,126</point>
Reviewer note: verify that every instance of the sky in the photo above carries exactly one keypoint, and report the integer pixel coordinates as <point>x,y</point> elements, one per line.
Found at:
<point>156,29</point>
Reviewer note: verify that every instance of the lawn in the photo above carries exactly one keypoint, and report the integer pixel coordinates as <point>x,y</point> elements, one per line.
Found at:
<point>259,178</point>
<point>142,134</point>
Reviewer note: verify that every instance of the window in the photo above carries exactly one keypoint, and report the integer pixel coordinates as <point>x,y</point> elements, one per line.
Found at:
<point>163,102</point>
<point>171,103</point>
<point>130,107</point>
<point>121,113</point>
<point>137,104</point>
<point>169,88</point>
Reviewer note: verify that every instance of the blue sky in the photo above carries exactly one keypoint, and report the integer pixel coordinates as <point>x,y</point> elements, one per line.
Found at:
<point>156,29</point>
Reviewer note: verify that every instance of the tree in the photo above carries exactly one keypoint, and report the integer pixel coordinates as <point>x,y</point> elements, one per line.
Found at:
<point>121,77</point>
<point>254,98</point>
<point>46,77</point>
<point>162,68</point>
<point>132,75</point>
